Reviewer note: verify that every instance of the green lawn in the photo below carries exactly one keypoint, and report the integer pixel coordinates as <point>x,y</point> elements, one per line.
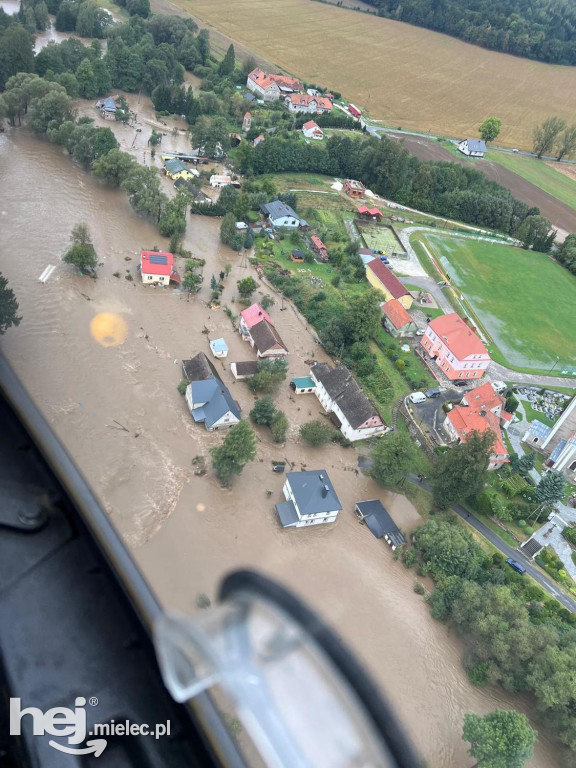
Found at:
<point>523,300</point>
<point>539,174</point>
<point>380,239</point>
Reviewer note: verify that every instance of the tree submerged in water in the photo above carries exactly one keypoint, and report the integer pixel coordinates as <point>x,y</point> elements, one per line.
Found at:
<point>238,448</point>
<point>82,254</point>
<point>8,306</point>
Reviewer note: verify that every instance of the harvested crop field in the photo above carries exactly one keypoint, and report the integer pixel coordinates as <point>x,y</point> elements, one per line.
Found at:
<point>524,300</point>
<point>562,216</point>
<point>412,77</point>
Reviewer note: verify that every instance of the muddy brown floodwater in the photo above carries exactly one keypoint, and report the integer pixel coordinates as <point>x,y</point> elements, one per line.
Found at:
<point>185,531</point>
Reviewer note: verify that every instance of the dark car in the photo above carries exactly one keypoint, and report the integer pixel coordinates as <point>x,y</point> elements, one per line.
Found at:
<point>432,392</point>
<point>516,566</point>
<point>460,383</point>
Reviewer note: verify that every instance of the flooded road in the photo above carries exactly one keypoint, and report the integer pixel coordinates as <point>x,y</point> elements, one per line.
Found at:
<point>185,531</point>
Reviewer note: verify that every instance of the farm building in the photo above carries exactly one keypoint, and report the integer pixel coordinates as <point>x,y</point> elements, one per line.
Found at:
<point>472,147</point>
<point>303,385</point>
<point>455,347</point>
<point>157,268</point>
<point>279,215</point>
<point>312,131</point>
<point>244,369</point>
<point>310,500</point>
<point>349,408</point>
<point>302,102</point>
<point>219,348</point>
<point>557,443</point>
<point>271,87</point>
<point>378,520</point>
<point>397,321</point>
<point>319,248</point>
<point>479,411</point>
<point>354,188</point>
<point>374,214</point>
<point>381,278</point>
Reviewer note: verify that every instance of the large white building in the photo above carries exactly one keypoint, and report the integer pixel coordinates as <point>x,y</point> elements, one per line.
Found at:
<point>310,500</point>
<point>349,408</point>
<point>558,443</point>
<point>271,87</point>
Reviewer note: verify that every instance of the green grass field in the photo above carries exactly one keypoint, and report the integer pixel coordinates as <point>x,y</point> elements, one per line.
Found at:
<point>523,300</point>
<point>538,173</point>
<point>380,239</point>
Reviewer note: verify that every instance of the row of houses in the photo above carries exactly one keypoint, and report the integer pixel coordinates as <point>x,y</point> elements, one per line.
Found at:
<point>269,87</point>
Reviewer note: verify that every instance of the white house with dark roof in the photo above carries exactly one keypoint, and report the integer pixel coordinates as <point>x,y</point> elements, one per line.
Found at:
<point>310,499</point>
<point>379,522</point>
<point>280,215</point>
<point>349,408</point>
<point>266,340</point>
<point>472,147</point>
<point>208,399</point>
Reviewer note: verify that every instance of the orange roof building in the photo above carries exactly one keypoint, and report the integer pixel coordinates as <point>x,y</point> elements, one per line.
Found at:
<point>479,411</point>
<point>396,320</point>
<point>303,102</point>
<point>455,347</point>
<point>271,87</point>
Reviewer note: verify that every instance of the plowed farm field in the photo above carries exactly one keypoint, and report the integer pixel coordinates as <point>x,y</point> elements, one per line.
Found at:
<point>409,77</point>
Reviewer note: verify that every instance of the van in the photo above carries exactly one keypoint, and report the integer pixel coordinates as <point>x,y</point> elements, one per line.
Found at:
<point>516,566</point>
<point>417,397</point>
<point>432,392</point>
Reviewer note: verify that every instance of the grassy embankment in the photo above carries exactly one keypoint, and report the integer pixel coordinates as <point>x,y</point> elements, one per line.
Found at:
<point>523,300</point>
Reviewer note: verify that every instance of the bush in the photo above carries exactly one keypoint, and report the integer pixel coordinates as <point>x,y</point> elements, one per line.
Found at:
<point>528,530</point>
<point>409,557</point>
<point>479,674</point>
<point>419,588</point>
<point>279,427</point>
<point>497,558</point>
<point>182,387</point>
<point>400,365</point>
<point>317,432</point>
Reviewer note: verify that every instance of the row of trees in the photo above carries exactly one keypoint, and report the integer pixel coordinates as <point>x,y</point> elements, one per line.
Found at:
<point>543,30</point>
<point>554,135</point>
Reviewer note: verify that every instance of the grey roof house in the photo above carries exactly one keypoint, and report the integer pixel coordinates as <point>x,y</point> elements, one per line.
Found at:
<point>264,337</point>
<point>208,399</point>
<point>281,215</point>
<point>379,522</point>
<point>310,499</point>
<point>349,408</point>
<point>472,147</point>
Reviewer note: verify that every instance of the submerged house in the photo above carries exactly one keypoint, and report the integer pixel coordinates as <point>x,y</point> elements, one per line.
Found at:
<point>310,500</point>
<point>208,399</point>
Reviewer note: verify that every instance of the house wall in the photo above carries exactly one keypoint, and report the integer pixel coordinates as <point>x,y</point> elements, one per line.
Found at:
<point>406,331</point>
<point>275,351</point>
<point>272,93</point>
<point>226,421</point>
<point>307,520</point>
<point>288,222</point>
<point>162,279</point>
<point>471,367</point>
<point>371,427</point>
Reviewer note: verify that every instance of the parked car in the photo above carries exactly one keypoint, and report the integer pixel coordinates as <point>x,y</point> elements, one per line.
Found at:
<point>516,566</point>
<point>460,383</point>
<point>417,397</point>
<point>432,393</point>
<point>421,332</point>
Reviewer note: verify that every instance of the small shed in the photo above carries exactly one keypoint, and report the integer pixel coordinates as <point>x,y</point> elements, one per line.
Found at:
<point>219,348</point>
<point>244,369</point>
<point>379,522</point>
<point>303,385</point>
<point>297,255</point>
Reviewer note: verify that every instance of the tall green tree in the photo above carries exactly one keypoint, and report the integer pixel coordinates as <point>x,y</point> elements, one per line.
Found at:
<point>113,167</point>
<point>16,52</point>
<point>501,739</point>
<point>551,488</point>
<point>8,306</point>
<point>461,472</point>
<point>263,411</point>
<point>317,432</point>
<point>392,459</point>
<point>228,62</point>
<point>363,316</point>
<point>490,128</point>
<point>279,426</point>
<point>82,254</point>
<point>546,135</point>
<point>143,187</point>
<point>238,448</point>
<point>536,232</point>
<point>247,286</point>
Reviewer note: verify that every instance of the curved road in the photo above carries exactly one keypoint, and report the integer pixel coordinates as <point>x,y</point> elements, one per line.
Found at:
<point>541,578</point>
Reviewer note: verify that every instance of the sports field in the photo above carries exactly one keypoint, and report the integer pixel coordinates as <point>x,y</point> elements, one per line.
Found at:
<point>408,76</point>
<point>524,300</point>
<point>380,239</point>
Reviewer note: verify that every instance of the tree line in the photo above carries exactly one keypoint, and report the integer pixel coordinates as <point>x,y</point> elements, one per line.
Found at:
<point>385,166</point>
<point>544,29</point>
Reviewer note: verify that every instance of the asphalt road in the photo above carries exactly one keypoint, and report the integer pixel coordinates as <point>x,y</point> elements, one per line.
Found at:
<point>544,581</point>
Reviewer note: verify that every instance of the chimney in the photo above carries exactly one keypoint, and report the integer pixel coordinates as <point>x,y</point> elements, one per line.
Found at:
<point>321,477</point>
<point>325,490</point>
<point>483,413</point>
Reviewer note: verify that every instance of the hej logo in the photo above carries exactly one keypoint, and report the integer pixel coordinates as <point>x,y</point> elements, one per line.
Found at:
<point>59,721</point>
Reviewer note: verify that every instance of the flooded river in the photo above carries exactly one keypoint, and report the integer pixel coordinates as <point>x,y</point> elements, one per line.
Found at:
<point>185,531</point>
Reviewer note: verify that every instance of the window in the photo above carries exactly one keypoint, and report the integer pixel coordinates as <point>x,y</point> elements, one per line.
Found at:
<point>572,466</point>
<point>459,375</point>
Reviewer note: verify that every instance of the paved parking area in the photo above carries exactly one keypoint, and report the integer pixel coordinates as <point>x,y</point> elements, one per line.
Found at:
<point>429,416</point>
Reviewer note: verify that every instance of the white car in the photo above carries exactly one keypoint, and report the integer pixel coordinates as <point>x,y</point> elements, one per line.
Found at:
<point>417,397</point>
<point>421,332</point>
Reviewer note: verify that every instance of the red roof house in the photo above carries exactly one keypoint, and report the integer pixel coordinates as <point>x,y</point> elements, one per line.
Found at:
<point>381,278</point>
<point>370,213</point>
<point>319,247</point>
<point>312,130</point>
<point>250,316</point>
<point>456,347</point>
<point>157,268</point>
<point>396,320</point>
<point>479,411</point>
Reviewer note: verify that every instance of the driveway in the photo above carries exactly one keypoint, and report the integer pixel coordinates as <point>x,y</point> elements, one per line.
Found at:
<point>429,416</point>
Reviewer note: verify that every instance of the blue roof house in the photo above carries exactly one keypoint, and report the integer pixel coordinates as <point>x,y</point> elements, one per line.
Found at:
<point>219,348</point>
<point>208,399</point>
<point>310,499</point>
